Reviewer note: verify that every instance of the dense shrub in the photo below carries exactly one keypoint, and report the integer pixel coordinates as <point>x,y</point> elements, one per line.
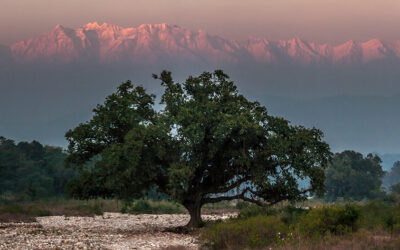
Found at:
<point>255,232</point>
<point>331,219</point>
<point>263,228</point>
<point>292,215</point>
<point>381,215</point>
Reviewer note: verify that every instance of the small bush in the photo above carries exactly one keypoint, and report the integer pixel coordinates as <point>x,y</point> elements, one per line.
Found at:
<point>141,206</point>
<point>333,219</point>
<point>292,215</point>
<point>152,207</point>
<point>255,232</point>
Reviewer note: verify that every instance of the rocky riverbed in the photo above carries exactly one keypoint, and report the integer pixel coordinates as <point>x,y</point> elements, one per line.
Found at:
<point>110,231</point>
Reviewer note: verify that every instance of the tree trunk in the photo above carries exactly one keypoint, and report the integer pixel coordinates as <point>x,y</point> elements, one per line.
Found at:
<point>194,209</point>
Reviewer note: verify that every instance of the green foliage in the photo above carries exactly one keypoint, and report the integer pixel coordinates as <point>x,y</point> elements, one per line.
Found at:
<point>122,144</point>
<point>206,141</point>
<point>30,171</point>
<point>352,176</point>
<point>254,232</point>
<point>293,215</point>
<point>331,219</point>
<point>382,215</point>
<point>289,214</point>
<point>152,207</point>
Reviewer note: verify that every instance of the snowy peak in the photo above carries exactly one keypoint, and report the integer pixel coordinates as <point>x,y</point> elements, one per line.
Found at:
<point>154,42</point>
<point>375,49</point>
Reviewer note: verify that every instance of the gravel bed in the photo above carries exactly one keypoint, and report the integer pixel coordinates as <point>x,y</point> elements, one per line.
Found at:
<point>110,231</point>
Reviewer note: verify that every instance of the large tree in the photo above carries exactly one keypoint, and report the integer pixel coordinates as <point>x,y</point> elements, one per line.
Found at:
<point>207,144</point>
<point>353,176</point>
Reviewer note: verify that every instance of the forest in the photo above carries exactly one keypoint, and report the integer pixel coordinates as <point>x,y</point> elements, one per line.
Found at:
<point>30,171</point>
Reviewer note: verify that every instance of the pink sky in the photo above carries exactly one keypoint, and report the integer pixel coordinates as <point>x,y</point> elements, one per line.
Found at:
<point>315,20</point>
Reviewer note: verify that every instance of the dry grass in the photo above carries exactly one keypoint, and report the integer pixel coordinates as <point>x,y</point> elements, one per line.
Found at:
<point>27,211</point>
<point>12,217</point>
<point>358,241</point>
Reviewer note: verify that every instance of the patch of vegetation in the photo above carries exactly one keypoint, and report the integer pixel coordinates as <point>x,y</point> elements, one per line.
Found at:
<point>335,219</point>
<point>291,227</point>
<point>30,171</point>
<point>27,210</point>
<point>249,210</point>
<point>21,213</point>
<point>254,232</point>
<point>152,207</point>
<point>89,209</point>
<point>382,215</point>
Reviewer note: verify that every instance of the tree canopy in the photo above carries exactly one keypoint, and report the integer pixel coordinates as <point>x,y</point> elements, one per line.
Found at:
<point>207,144</point>
<point>30,171</point>
<point>352,176</point>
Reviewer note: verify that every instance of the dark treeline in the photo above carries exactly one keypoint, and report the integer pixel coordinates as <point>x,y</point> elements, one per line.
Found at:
<point>31,171</point>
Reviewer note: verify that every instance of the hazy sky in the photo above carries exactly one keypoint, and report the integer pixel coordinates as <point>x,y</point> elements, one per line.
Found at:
<point>318,20</point>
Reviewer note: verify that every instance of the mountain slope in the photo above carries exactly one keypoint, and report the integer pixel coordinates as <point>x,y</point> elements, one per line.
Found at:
<point>149,43</point>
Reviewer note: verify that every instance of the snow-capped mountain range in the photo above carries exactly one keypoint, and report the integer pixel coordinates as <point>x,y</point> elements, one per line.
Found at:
<point>149,43</point>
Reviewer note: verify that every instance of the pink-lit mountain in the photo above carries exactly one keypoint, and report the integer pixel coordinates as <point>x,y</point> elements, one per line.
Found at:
<point>148,43</point>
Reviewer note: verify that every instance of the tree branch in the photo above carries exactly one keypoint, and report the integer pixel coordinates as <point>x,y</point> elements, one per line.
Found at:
<point>234,197</point>
<point>227,188</point>
<point>243,197</point>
